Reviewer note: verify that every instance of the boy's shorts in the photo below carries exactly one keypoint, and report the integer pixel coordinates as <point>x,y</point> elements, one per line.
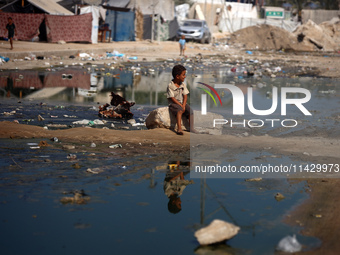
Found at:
<point>175,108</point>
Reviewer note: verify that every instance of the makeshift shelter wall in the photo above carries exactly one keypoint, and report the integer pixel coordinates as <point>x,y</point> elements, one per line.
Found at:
<point>122,25</point>
<point>77,28</point>
<point>166,8</point>
<point>27,25</point>
<point>97,12</point>
<point>168,29</point>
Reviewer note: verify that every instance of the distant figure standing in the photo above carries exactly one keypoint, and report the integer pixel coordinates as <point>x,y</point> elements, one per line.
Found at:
<point>182,45</point>
<point>11,31</point>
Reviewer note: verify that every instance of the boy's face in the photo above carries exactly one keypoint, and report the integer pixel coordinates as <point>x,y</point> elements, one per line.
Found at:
<point>182,76</point>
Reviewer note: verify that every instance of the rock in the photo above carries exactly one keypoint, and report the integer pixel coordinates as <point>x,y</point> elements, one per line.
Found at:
<point>216,232</point>
<point>279,197</point>
<point>69,147</point>
<point>163,118</point>
<point>289,244</point>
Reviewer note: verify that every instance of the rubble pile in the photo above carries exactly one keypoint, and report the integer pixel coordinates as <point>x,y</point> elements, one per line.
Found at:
<point>307,37</point>
<point>119,108</point>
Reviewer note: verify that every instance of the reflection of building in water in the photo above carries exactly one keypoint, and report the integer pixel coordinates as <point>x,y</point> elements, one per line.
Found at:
<point>96,85</point>
<point>34,84</point>
<point>151,89</point>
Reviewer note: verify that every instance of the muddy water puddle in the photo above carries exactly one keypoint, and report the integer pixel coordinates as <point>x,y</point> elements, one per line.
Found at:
<point>51,204</point>
<point>145,83</point>
<point>125,208</point>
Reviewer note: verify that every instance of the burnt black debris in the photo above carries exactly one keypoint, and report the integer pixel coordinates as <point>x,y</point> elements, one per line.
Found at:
<point>119,108</point>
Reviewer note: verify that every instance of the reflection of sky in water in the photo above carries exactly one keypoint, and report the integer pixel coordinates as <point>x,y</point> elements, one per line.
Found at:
<point>128,211</point>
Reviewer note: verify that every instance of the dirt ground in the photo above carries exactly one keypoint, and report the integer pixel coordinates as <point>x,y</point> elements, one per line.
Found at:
<point>324,193</point>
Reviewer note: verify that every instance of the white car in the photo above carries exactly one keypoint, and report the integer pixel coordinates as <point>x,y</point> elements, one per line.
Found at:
<point>194,29</point>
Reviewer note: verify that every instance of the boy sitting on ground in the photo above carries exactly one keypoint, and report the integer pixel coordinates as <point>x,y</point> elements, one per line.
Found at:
<point>177,94</point>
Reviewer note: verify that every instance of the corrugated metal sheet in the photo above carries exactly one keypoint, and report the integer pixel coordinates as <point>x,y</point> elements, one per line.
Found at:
<point>50,7</point>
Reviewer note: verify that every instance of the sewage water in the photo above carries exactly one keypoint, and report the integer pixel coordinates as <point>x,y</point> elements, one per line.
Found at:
<point>128,209</point>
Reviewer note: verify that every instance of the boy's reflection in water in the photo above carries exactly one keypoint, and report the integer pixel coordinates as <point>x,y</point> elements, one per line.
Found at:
<point>174,184</point>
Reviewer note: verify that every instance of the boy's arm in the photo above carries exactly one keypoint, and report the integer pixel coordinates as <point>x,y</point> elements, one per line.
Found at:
<point>185,98</point>
<point>174,100</point>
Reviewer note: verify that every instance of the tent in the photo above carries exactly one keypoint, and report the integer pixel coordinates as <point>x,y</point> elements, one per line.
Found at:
<point>29,18</point>
<point>27,25</point>
<point>96,13</point>
<point>75,28</point>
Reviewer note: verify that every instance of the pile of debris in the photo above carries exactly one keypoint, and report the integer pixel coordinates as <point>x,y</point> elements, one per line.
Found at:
<point>119,108</point>
<point>307,37</point>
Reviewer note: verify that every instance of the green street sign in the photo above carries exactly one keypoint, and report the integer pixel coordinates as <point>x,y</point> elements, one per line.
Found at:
<point>274,14</point>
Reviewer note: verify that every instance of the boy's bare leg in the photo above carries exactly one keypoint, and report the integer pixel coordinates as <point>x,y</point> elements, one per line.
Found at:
<point>179,123</point>
<point>11,42</point>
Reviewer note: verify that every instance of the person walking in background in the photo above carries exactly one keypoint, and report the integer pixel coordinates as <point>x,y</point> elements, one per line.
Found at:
<point>182,45</point>
<point>11,31</point>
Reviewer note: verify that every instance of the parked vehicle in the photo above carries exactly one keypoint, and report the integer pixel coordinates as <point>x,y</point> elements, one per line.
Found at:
<point>196,30</point>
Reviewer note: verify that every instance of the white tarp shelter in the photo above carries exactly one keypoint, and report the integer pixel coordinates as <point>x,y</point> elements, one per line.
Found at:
<point>97,12</point>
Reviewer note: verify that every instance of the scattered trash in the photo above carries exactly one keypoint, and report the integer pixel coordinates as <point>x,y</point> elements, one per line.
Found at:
<point>54,139</point>
<point>114,146</point>
<point>56,125</point>
<point>254,179</point>
<point>4,58</point>
<point>114,54</point>
<point>93,145</point>
<point>216,232</point>
<point>72,156</point>
<point>327,91</point>
<point>133,58</point>
<point>131,121</point>
<point>79,198</point>
<point>94,170</point>
<point>84,55</point>
<point>89,122</point>
<point>69,147</point>
<point>40,118</point>
<point>289,244</point>
<point>249,52</point>
<point>43,144</point>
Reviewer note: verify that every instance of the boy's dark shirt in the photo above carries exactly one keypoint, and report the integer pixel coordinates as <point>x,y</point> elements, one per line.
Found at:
<point>11,29</point>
